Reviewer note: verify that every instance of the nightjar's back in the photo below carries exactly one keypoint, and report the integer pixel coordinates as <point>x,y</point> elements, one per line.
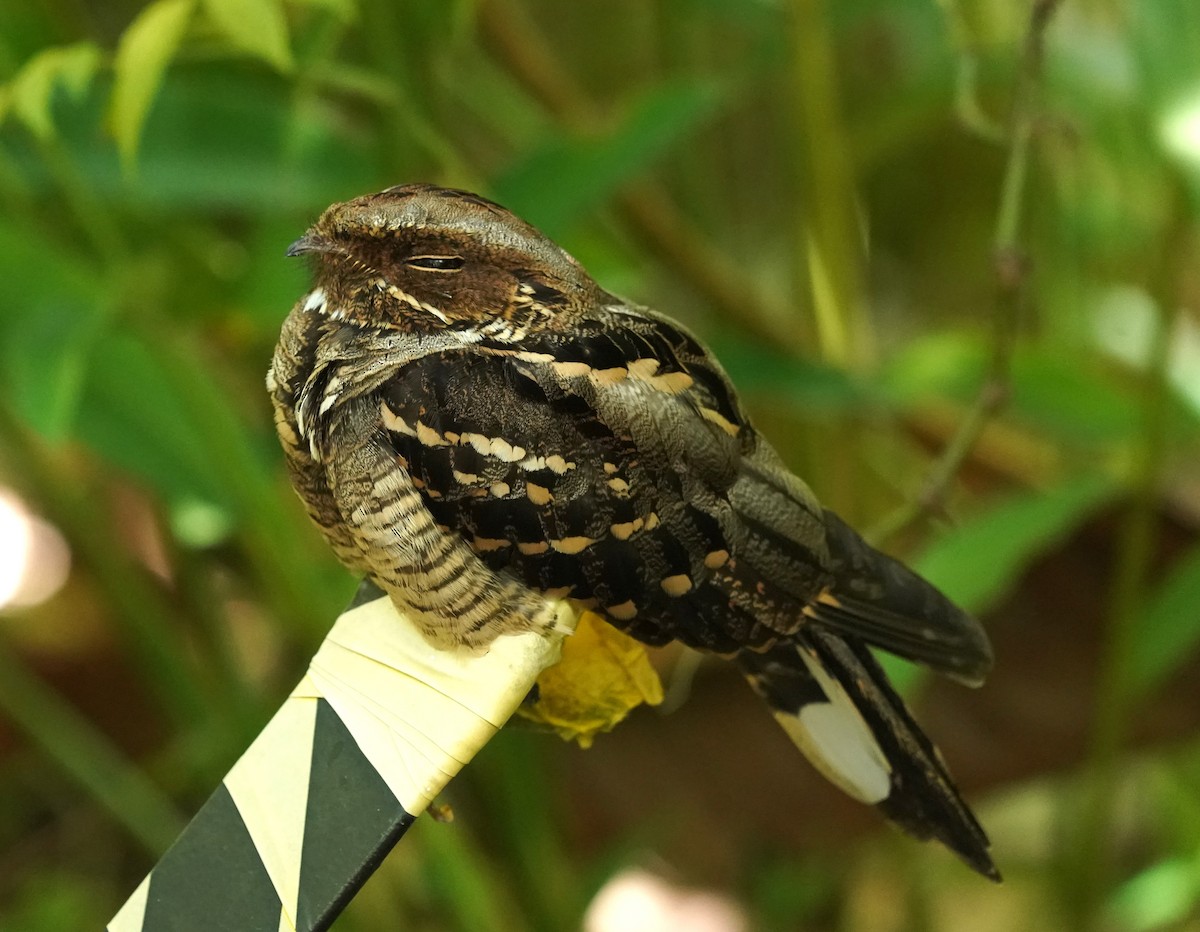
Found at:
<point>475,424</point>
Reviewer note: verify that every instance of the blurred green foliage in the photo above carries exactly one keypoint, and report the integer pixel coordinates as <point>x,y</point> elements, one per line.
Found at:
<point>820,188</point>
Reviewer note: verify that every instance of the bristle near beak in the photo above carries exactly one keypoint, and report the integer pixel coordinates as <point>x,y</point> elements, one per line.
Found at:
<point>309,242</point>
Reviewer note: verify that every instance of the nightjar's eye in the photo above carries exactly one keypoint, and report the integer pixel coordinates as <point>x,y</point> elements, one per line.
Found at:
<point>436,263</point>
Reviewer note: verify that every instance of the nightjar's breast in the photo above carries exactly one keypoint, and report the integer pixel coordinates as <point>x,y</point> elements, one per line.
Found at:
<point>326,384</point>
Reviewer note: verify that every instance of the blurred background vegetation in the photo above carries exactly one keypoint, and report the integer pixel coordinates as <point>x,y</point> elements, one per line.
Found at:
<point>955,278</point>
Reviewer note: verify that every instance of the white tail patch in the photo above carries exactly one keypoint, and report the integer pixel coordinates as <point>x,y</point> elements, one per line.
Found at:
<point>837,740</point>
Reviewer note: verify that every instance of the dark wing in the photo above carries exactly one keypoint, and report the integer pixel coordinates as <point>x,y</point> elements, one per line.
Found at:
<point>814,567</point>
<point>596,466</point>
<point>612,463</point>
<point>882,601</point>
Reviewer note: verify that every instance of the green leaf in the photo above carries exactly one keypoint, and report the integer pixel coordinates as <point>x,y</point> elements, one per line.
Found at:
<point>46,356</point>
<point>976,562</point>
<point>52,900</point>
<point>903,674</point>
<point>1169,629</point>
<point>344,10</point>
<point>559,182</point>
<point>257,27</point>
<point>143,54</point>
<point>942,365</point>
<point>1071,397</point>
<point>223,137</point>
<point>31,92</point>
<point>1161,896</point>
<point>806,382</point>
<point>133,415</point>
<point>59,306</point>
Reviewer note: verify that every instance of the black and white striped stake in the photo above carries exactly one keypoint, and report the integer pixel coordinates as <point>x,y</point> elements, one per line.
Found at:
<point>375,730</point>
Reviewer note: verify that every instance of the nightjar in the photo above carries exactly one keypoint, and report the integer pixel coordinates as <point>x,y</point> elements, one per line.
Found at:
<point>476,425</point>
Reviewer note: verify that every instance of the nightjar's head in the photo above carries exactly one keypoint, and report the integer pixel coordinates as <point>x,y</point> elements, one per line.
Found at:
<point>420,257</point>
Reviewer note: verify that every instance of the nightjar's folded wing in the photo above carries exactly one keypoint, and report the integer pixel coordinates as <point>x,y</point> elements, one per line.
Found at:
<point>594,465</point>
<point>612,463</point>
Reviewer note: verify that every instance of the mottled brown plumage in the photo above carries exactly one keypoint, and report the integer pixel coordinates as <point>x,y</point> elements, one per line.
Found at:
<point>474,423</point>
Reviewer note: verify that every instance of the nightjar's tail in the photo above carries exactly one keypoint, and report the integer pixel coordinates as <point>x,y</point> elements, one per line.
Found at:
<point>881,601</point>
<point>835,702</point>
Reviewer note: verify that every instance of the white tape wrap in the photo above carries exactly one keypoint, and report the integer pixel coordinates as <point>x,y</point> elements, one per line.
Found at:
<point>419,713</point>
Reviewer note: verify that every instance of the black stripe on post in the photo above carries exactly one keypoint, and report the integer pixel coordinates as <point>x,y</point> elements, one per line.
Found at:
<point>353,821</point>
<point>194,890</point>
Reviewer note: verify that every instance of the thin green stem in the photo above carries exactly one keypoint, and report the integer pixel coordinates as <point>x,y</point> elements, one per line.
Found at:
<point>1011,271</point>
<point>829,238</point>
<point>86,755</point>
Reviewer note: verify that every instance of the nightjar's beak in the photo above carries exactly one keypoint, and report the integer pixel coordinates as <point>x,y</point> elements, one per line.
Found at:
<point>309,242</point>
